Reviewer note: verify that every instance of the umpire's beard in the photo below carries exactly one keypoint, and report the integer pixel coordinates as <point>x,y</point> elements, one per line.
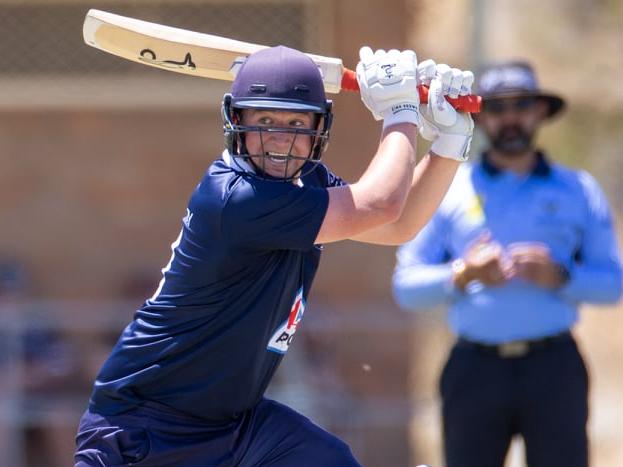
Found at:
<point>512,140</point>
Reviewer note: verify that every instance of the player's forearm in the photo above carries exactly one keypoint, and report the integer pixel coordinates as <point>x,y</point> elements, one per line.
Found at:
<point>386,182</point>
<point>379,196</point>
<point>430,181</point>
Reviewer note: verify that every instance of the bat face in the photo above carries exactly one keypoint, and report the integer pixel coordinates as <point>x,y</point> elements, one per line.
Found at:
<point>182,51</point>
<point>207,56</point>
<point>165,47</point>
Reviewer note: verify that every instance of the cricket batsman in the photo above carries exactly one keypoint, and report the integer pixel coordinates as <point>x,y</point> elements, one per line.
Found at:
<point>184,385</point>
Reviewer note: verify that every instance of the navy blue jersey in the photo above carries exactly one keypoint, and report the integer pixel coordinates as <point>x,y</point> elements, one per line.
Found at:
<point>210,339</point>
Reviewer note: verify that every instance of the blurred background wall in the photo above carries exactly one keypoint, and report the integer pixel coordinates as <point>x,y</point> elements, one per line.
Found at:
<point>98,157</point>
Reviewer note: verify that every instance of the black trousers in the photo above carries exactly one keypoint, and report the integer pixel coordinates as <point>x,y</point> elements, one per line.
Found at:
<point>542,396</point>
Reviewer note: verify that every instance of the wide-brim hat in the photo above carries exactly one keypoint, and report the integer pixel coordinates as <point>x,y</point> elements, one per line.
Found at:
<point>515,79</point>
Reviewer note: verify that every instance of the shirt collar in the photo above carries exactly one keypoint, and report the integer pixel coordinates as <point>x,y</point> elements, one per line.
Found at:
<point>238,164</point>
<point>542,168</point>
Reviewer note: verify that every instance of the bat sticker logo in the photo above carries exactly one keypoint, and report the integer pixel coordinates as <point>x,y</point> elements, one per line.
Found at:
<point>149,56</point>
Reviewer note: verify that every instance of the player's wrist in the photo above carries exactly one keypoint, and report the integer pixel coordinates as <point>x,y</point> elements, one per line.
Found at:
<point>405,112</point>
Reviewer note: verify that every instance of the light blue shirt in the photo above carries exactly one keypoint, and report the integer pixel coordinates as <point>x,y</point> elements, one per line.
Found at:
<point>556,206</point>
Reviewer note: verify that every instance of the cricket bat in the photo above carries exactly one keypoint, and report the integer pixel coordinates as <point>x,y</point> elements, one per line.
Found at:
<point>206,55</point>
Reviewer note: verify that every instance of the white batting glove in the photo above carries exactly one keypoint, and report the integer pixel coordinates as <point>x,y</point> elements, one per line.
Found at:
<point>387,83</point>
<point>450,131</point>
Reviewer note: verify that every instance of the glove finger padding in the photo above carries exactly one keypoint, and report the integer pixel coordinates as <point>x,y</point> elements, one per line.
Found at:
<point>444,74</point>
<point>388,85</point>
<point>366,55</point>
<point>466,84</point>
<point>426,72</point>
<point>455,84</point>
<point>443,113</point>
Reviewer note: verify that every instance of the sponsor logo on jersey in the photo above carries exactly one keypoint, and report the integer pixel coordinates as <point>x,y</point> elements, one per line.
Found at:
<point>282,338</point>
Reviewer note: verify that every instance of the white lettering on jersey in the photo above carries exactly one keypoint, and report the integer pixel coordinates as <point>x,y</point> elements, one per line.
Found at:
<point>282,338</point>
<point>187,218</point>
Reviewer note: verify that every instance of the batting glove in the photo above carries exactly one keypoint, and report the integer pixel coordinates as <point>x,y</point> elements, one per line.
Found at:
<point>387,83</point>
<point>450,131</point>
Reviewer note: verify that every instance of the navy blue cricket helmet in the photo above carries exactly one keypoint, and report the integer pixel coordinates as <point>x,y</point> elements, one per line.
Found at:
<point>277,78</point>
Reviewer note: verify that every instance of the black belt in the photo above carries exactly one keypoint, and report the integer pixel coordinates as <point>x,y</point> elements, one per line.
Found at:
<point>518,348</point>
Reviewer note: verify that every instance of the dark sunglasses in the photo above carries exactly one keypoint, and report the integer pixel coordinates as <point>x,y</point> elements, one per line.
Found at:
<point>498,106</point>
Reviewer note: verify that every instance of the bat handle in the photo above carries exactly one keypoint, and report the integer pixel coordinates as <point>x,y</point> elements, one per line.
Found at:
<point>469,103</point>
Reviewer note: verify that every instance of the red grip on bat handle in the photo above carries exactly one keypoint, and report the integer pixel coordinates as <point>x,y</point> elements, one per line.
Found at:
<point>469,103</point>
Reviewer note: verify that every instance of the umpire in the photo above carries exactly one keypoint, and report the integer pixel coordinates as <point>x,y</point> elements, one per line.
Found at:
<point>518,244</point>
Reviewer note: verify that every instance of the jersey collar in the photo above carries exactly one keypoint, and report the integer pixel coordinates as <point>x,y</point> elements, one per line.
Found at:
<point>542,168</point>
<point>237,165</point>
<point>242,165</point>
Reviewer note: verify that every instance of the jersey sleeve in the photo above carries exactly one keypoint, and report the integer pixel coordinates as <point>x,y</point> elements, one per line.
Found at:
<point>274,216</point>
<point>333,180</point>
<point>422,277</point>
<point>322,176</point>
<point>597,275</point>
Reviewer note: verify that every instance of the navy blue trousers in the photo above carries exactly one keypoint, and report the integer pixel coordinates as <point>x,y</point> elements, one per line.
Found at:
<point>271,435</point>
<point>542,396</point>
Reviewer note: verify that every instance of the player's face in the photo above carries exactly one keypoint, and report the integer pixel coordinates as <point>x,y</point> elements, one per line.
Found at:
<point>273,147</point>
<point>511,123</point>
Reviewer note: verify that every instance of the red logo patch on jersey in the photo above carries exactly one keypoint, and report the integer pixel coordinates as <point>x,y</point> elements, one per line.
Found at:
<point>282,337</point>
